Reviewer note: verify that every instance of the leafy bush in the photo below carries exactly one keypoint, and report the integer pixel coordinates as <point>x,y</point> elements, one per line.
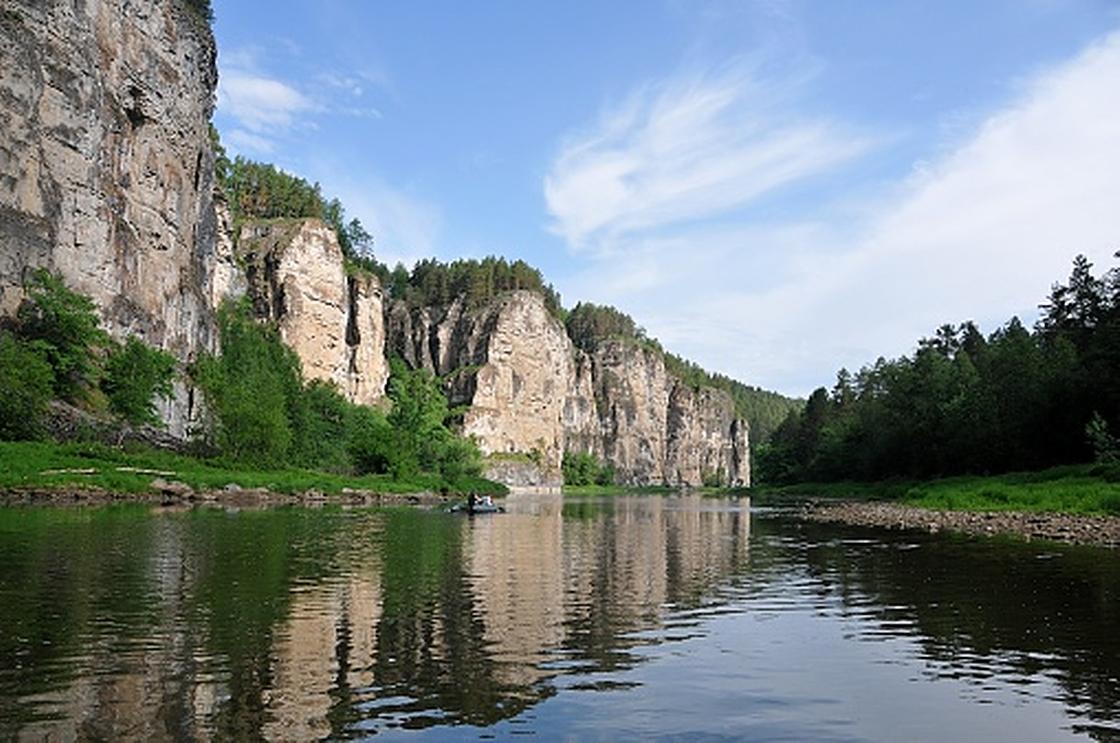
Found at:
<point>455,458</point>
<point>67,326</point>
<point>371,442</point>
<point>1106,447</point>
<point>585,469</point>
<point>253,389</point>
<point>27,382</point>
<point>419,410</point>
<point>322,431</point>
<point>135,374</point>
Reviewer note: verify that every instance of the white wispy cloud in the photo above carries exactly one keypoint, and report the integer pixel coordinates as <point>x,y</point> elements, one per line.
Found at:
<point>243,141</point>
<point>265,106</point>
<point>687,149</point>
<point>980,231</point>
<point>260,103</point>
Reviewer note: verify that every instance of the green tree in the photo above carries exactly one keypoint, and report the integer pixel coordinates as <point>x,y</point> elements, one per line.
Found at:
<point>419,409</point>
<point>27,383</point>
<point>253,389</point>
<point>67,326</point>
<point>1106,447</point>
<point>135,374</point>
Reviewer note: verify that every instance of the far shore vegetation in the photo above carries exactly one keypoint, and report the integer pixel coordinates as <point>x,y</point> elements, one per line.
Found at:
<point>1088,489</point>
<point>939,428</point>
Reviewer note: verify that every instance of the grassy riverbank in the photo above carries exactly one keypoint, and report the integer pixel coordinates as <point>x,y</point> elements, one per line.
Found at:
<point>1081,489</point>
<point>36,464</point>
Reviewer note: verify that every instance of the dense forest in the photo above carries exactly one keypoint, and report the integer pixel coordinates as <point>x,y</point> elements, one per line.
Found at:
<point>963,402</point>
<point>432,282</point>
<point>257,190</point>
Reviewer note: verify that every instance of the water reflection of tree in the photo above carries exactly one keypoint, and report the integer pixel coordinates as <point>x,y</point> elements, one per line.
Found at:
<point>56,582</point>
<point>979,606</point>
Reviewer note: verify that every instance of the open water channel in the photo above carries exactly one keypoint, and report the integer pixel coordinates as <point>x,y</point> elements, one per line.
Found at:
<point>631,617</point>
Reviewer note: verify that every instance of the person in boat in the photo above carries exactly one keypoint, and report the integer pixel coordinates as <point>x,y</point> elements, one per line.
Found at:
<point>487,501</point>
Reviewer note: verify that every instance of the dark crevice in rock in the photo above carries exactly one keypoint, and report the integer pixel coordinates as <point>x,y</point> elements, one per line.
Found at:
<point>353,335</point>
<point>271,270</point>
<point>133,107</point>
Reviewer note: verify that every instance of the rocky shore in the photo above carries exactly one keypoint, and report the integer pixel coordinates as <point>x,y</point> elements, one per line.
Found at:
<point>1101,531</point>
<point>169,493</point>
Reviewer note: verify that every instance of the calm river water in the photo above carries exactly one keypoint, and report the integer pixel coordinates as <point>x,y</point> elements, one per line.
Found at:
<point>619,618</point>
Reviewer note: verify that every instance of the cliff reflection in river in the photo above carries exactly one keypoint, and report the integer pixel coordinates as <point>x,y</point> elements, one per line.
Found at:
<point>314,622</point>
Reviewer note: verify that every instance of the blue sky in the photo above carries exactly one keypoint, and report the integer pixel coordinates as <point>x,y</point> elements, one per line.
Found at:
<point>774,189</point>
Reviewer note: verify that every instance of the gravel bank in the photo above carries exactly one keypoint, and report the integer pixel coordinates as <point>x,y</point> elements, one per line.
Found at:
<point>1102,531</point>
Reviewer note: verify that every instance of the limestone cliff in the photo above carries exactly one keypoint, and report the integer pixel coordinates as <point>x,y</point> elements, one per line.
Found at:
<point>531,396</point>
<point>296,277</point>
<point>512,363</point>
<point>105,163</point>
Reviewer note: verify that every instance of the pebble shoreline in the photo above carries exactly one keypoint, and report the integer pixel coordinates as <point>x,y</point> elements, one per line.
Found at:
<point>1101,531</point>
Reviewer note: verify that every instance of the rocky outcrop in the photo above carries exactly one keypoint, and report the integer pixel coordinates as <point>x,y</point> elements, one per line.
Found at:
<point>105,165</point>
<point>297,278</point>
<point>512,364</point>
<point>529,391</point>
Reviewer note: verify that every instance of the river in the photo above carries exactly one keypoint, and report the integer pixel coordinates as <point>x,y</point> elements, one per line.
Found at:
<point>629,617</point>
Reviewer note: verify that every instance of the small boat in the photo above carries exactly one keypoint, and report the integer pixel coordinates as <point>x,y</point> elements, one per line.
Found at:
<point>478,508</point>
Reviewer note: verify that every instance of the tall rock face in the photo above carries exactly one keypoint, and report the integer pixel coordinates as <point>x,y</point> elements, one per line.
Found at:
<point>296,276</point>
<point>106,172</point>
<point>531,396</point>
<point>512,364</point>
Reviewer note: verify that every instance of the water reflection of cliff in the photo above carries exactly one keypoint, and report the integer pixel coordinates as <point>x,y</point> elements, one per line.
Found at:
<point>297,625</point>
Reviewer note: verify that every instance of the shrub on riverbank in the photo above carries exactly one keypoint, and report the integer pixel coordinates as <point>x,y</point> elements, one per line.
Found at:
<point>135,374</point>
<point>585,469</point>
<point>1078,489</point>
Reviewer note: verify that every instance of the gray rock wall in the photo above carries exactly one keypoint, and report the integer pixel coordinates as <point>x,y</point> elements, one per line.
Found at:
<point>106,172</point>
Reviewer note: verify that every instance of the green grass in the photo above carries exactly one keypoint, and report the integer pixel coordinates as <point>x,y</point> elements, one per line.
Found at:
<point>23,463</point>
<point>1079,489</point>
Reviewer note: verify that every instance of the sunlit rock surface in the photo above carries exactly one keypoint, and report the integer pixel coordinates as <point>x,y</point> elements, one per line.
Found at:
<point>106,173</point>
